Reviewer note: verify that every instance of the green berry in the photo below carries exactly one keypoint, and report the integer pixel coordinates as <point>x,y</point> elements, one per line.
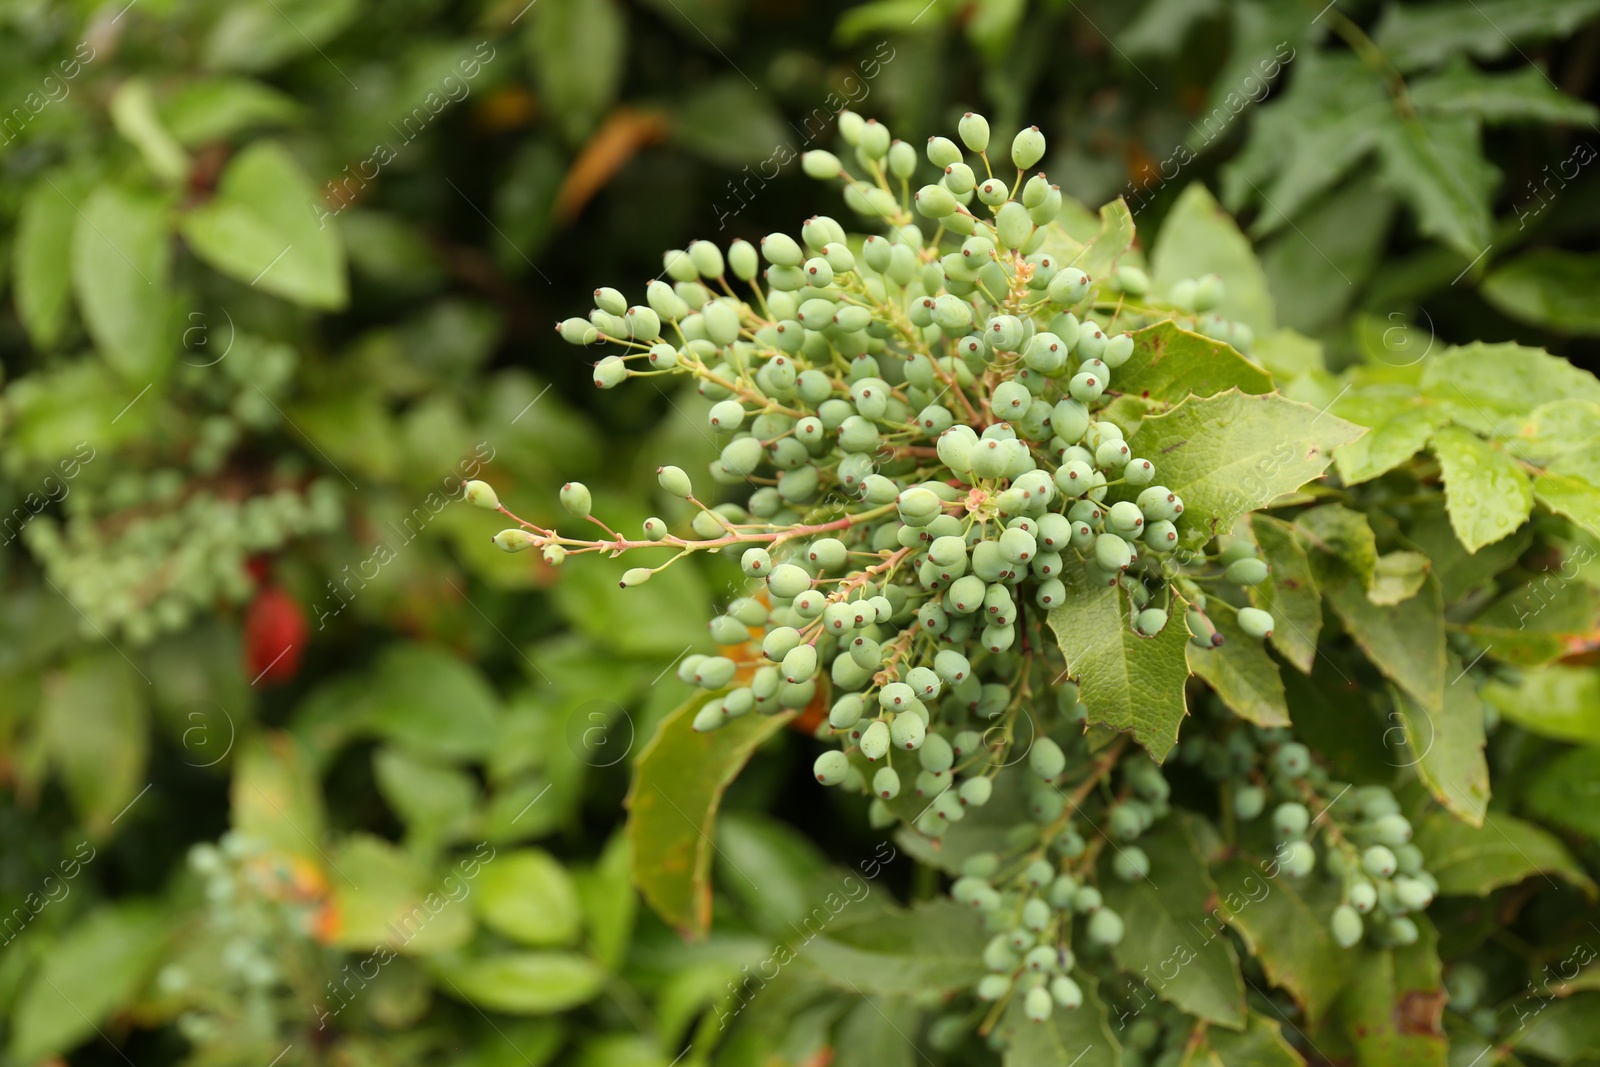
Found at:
<point>1255,622</point>
<point>1290,820</point>
<point>935,202</point>
<point>635,576</point>
<point>513,540</point>
<point>610,372</point>
<point>481,495</point>
<point>577,331</point>
<point>1027,148</point>
<point>831,767</point>
<point>1247,571</point>
<point>1046,759</point>
<point>886,783</point>
<point>974,131</point>
<point>1378,861</point>
<point>1105,928</point>
<point>875,740</point>
<point>1346,926</point>
<point>1298,859</point>
<point>576,499</point>
<point>673,480</point>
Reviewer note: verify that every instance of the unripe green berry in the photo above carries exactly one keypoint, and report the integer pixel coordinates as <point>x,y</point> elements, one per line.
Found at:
<point>831,767</point>
<point>610,372</point>
<point>875,740</point>
<point>1346,926</point>
<point>1255,622</point>
<point>1247,571</point>
<point>1027,148</point>
<point>974,131</point>
<point>576,499</point>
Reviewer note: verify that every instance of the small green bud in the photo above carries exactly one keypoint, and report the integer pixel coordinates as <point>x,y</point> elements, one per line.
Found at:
<point>610,372</point>
<point>744,261</point>
<point>635,576</point>
<point>679,267</point>
<point>1027,148</point>
<point>942,152</point>
<point>674,481</point>
<point>576,499</point>
<point>513,540</point>
<point>481,495</point>
<point>902,159</point>
<point>933,202</point>
<point>974,131</point>
<point>821,165</point>
<point>576,331</point>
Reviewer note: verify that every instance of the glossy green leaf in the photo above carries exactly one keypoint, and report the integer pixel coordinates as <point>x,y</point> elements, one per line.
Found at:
<point>42,258</point>
<point>1447,748</point>
<point>528,896</point>
<point>1570,486</point>
<point>1406,642</point>
<point>96,967</point>
<point>1242,673</point>
<point>1566,792</point>
<point>1486,492</point>
<point>1166,935</point>
<point>121,259</point>
<point>1481,383</point>
<point>1170,363</point>
<point>578,50</point>
<point>1525,94</point>
<point>935,945</point>
<point>1557,428</point>
<point>95,727</point>
<point>1414,36</point>
<point>523,983</point>
<point>262,228</point>
<point>1289,593</point>
<point>1198,237</point>
<point>1232,453</point>
<point>1127,682</point>
<point>1081,1038</point>
<point>1555,701</point>
<point>1387,445</point>
<point>679,779</point>
<point>1476,860</point>
<point>1284,925</point>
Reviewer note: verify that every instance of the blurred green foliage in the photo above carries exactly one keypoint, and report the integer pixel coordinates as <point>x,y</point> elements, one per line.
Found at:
<point>280,276</point>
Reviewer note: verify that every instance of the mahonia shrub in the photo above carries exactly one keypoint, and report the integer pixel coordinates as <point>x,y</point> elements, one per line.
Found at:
<point>998,501</point>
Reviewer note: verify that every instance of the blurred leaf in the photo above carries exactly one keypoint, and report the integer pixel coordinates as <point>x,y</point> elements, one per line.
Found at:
<point>610,905</point>
<point>678,782</point>
<point>1080,1038</point>
<point>620,137</point>
<point>1475,861</point>
<point>95,968</point>
<point>1261,1045</point>
<point>524,983</point>
<point>1436,165</point>
<point>215,109</point>
<point>1198,237</point>
<point>1162,26</point>
<point>384,898</point>
<point>1284,925</point>
<point>1414,36</point>
<point>1576,497</point>
<point>793,876</point>
<point>261,34</point>
<point>1313,270</point>
<point>1566,792</point>
<point>121,257</point>
<point>275,798</point>
<point>1447,748</point>
<point>1548,287</point>
<point>1170,363</point>
<point>1126,681</point>
<point>1343,534</point>
<point>1232,453</point>
<point>1486,492</point>
<point>659,618</point>
<point>993,27</point>
<point>890,16</point>
<point>436,803</point>
<point>1110,244</point>
<point>931,946</point>
<point>1539,622</point>
<point>94,722</point>
<point>1289,593</point>
<point>701,20</point>
<point>1406,642</point>
<point>578,50</point>
<point>1556,701</point>
<point>1336,716</point>
<point>524,203</point>
<point>133,112</point>
<point>1392,1004</point>
<point>1242,673</point>
<point>1522,95</point>
<point>874,1034</point>
<point>728,123</point>
<point>1165,914</point>
<point>1563,1031</point>
<point>387,249</point>
<point>527,896</point>
<point>261,228</point>
<point>41,257</point>
<point>1398,576</point>
<point>428,700</point>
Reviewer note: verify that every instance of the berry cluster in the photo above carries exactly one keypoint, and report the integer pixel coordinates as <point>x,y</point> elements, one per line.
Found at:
<point>921,439</point>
